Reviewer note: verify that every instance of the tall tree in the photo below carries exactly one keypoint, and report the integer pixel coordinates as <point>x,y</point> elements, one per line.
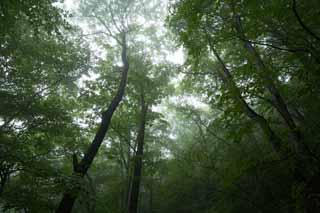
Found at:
<point>136,179</point>
<point>81,168</point>
<point>219,20</point>
<point>115,20</point>
<point>151,85</point>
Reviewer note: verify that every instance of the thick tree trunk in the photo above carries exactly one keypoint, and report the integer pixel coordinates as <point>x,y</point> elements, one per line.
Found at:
<point>133,197</point>
<point>81,168</point>
<point>226,76</point>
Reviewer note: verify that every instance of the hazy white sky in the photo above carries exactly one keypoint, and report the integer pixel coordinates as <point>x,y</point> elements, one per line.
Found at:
<point>176,56</point>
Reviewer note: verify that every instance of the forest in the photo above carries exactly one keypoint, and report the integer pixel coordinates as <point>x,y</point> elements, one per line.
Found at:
<point>159,106</point>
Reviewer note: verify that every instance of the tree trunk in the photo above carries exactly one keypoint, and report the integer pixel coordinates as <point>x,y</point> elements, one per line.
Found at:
<point>277,99</point>
<point>81,168</point>
<point>3,181</point>
<point>133,197</point>
<point>5,173</point>
<point>151,196</point>
<point>303,160</point>
<point>226,76</point>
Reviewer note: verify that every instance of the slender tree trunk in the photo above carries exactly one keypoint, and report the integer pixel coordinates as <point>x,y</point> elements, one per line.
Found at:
<point>151,196</point>
<point>303,161</point>
<point>277,99</point>
<point>5,172</point>
<point>133,197</point>
<point>128,184</point>
<point>81,168</point>
<point>226,76</point>
<point>3,181</point>
<point>128,173</point>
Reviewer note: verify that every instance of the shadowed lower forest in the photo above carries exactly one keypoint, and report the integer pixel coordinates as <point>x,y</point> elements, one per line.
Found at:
<point>160,106</point>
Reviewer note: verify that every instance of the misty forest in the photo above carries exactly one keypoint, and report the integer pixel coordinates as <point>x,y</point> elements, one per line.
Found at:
<point>160,106</point>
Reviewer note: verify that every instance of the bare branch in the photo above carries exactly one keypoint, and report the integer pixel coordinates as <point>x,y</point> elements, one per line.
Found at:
<point>90,34</point>
<point>113,20</point>
<point>109,33</point>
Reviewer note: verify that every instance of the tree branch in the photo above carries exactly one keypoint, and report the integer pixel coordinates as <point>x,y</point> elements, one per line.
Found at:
<point>309,31</point>
<point>109,33</point>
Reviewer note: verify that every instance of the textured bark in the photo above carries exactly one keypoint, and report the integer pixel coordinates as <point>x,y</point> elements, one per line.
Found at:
<point>226,76</point>
<point>133,197</point>
<point>82,167</point>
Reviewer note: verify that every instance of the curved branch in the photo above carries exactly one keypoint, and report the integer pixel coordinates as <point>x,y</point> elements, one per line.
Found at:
<point>294,8</point>
<point>293,50</point>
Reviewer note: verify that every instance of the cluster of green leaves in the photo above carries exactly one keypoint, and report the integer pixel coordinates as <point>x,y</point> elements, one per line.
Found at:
<point>39,67</point>
<point>253,180</point>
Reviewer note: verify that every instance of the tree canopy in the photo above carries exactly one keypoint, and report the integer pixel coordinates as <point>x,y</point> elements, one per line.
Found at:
<point>159,106</point>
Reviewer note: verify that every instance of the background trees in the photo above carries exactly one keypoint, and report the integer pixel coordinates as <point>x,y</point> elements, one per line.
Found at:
<point>261,84</point>
<point>38,101</point>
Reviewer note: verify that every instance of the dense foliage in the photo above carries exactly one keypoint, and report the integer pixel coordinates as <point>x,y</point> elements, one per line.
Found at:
<point>98,115</point>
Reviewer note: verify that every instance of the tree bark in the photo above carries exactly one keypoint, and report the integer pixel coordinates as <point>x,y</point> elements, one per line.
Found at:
<point>81,168</point>
<point>133,197</point>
